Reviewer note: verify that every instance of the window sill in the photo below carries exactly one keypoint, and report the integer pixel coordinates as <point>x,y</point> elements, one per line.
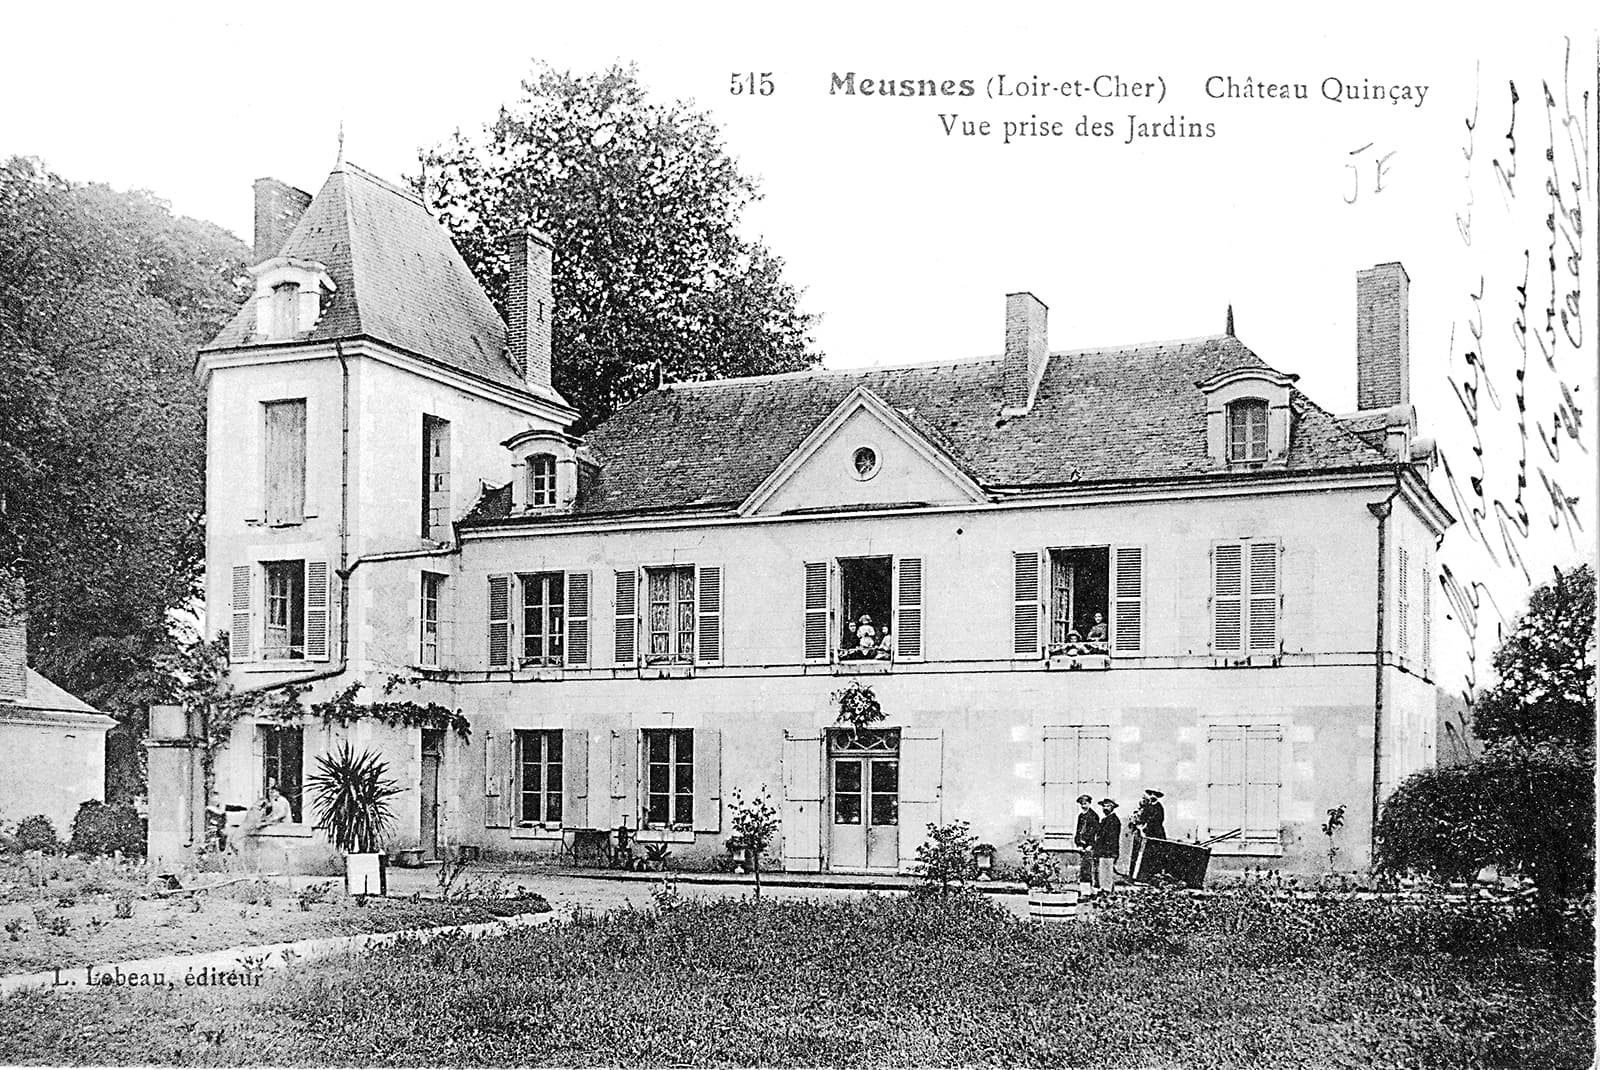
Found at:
<point>1247,848</point>
<point>1246,661</point>
<point>1074,662</point>
<point>666,671</point>
<point>536,671</point>
<point>663,836</point>
<point>537,832</point>
<point>863,667</point>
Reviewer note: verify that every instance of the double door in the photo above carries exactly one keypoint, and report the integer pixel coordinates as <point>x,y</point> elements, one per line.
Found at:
<point>864,803</point>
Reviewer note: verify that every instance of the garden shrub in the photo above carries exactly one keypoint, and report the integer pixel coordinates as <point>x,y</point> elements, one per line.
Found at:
<point>944,859</point>
<point>103,829</point>
<point>36,833</point>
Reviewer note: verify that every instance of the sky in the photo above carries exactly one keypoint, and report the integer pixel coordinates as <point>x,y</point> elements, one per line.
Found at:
<point>1421,138</point>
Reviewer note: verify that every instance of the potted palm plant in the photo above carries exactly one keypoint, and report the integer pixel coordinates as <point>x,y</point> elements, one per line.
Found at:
<point>1051,897</point>
<point>351,798</point>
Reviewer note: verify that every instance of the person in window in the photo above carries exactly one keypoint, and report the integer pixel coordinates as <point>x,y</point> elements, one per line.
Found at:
<point>1097,634</point>
<point>1108,846</point>
<point>275,810</point>
<point>1083,839</point>
<point>868,643</point>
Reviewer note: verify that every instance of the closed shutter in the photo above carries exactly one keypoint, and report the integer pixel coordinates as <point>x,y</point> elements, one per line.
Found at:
<point>1026,605</point>
<point>1227,598</point>
<point>243,620</point>
<point>1403,607</point>
<point>577,618</point>
<point>1264,599</point>
<point>1059,745</point>
<point>708,616</point>
<point>802,801</point>
<point>817,648</point>
<point>318,596</point>
<point>908,609</point>
<point>1225,787</point>
<point>1263,747</point>
<point>624,758</point>
<point>627,617</point>
<point>497,779</point>
<point>1094,762</point>
<point>499,622</point>
<point>921,788</point>
<point>286,461</point>
<point>1127,603</point>
<point>707,780</point>
<point>575,778</point>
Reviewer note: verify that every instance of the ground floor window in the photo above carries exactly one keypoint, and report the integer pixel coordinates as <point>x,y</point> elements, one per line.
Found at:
<point>1245,782</point>
<point>539,777</point>
<point>282,762</point>
<point>866,600</point>
<point>669,778</point>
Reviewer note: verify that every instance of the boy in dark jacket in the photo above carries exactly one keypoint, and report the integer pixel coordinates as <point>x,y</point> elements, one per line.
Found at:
<point>1083,839</point>
<point>1108,845</point>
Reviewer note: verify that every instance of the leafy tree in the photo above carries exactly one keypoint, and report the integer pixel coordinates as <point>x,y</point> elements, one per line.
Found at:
<point>642,202</point>
<point>1545,689</point>
<point>944,859</point>
<point>754,823</point>
<point>104,296</point>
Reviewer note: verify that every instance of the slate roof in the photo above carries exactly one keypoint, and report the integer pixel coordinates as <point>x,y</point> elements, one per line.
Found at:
<point>44,700</point>
<point>399,280</point>
<point>1101,416</point>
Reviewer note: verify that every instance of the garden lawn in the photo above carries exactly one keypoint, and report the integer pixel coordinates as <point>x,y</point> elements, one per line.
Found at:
<point>1234,981</point>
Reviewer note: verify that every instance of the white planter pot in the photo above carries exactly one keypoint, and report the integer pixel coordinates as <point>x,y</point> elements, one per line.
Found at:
<point>366,874</point>
<point>1053,906</point>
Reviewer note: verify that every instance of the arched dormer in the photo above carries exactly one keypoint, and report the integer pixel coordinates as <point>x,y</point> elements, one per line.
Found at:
<point>546,470</point>
<point>289,297</point>
<point>1247,417</point>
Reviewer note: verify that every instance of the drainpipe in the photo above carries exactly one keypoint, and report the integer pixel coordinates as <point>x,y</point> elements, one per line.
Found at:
<point>1381,511</point>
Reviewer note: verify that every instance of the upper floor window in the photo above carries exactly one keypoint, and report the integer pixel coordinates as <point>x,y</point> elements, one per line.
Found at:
<point>285,455</point>
<point>436,479</point>
<point>542,479</point>
<point>285,632</point>
<point>670,619</point>
<point>1079,600</point>
<point>432,592</point>
<point>1245,599</point>
<point>1247,430</point>
<point>863,609</point>
<point>544,607</point>
<point>280,609</point>
<point>548,627</point>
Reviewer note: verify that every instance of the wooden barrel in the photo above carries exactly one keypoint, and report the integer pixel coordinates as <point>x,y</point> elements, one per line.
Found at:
<point>1053,906</point>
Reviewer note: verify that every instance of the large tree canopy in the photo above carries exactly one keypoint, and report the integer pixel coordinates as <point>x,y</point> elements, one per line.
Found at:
<point>642,202</point>
<point>103,298</point>
<point>1545,668</point>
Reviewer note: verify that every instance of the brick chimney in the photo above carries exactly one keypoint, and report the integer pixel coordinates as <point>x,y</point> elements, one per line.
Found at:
<point>279,207</point>
<point>530,303</point>
<point>1383,337</point>
<point>13,638</point>
<point>1027,350</point>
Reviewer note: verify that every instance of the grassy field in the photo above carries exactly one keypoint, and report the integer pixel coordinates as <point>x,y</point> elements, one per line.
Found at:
<point>1166,981</point>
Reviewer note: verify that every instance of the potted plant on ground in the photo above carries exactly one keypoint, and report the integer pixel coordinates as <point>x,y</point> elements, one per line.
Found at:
<point>983,856</point>
<point>755,823</point>
<point>1051,897</point>
<point>351,798</point>
<point>738,854</point>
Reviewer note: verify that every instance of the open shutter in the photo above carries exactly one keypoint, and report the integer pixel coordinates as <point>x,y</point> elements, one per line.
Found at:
<point>1094,761</point>
<point>243,620</point>
<point>1027,605</point>
<point>497,780</point>
<point>1403,608</point>
<point>1427,622</point>
<point>317,599</point>
<point>803,767</point>
<point>1060,745</point>
<point>627,612</point>
<point>708,616</point>
<point>921,788</point>
<point>499,622</point>
<point>818,648</point>
<point>908,609</point>
<point>707,780</point>
<point>1263,747</point>
<point>1225,787</point>
<point>1127,603</point>
<point>1227,598</point>
<point>575,778</point>
<point>1263,598</point>
<point>577,618</point>
<point>624,757</point>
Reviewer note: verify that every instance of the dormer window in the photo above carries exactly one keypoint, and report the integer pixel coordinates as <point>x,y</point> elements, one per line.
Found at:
<point>542,479</point>
<point>285,310</point>
<point>1247,431</point>
<point>290,294</point>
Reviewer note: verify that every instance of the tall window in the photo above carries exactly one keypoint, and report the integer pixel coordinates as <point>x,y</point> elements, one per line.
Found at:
<point>1247,430</point>
<point>1244,780</point>
<point>282,758</point>
<point>285,431</point>
<point>1080,600</point>
<point>432,588</point>
<point>670,594</point>
<point>285,310</point>
<point>669,773</point>
<point>435,478</point>
<point>866,586</point>
<point>542,479</point>
<point>544,608</point>
<point>285,632</point>
<point>539,777</point>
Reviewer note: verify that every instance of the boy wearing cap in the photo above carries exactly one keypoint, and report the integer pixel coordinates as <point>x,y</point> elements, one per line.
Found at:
<point>1108,845</point>
<point>1083,839</point>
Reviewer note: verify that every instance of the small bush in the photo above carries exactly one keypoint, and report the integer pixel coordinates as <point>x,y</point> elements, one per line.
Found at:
<point>945,859</point>
<point>36,833</point>
<point>101,829</point>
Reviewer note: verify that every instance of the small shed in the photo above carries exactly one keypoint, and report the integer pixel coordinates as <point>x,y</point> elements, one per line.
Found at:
<point>52,751</point>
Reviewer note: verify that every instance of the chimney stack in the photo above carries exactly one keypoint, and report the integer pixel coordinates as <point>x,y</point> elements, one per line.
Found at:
<point>1027,350</point>
<point>530,304</point>
<point>279,207</point>
<point>1383,337</point>
<point>13,638</point>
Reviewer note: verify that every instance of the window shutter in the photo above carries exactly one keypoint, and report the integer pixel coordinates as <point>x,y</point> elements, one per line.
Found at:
<point>1403,605</point>
<point>1227,590</point>
<point>1025,605</point>
<point>818,647</point>
<point>497,780</point>
<point>921,787</point>
<point>318,591</point>
<point>1264,598</point>
<point>1262,754</point>
<point>243,619</point>
<point>1427,622</point>
<point>908,622</point>
<point>708,617</point>
<point>1059,745</point>
<point>499,622</point>
<point>624,755</point>
<point>575,778</point>
<point>707,780</point>
<point>627,609</point>
<point>1127,605</point>
<point>1225,791</point>
<point>578,618</point>
<point>803,766</point>
<point>1094,761</point>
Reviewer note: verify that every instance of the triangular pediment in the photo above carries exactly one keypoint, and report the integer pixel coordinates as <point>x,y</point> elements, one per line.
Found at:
<point>863,454</point>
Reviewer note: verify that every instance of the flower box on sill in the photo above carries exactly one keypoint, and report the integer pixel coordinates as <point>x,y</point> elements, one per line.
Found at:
<point>666,670</point>
<point>1075,656</point>
<point>852,663</point>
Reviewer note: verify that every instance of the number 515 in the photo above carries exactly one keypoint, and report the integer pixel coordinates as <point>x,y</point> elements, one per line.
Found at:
<point>752,83</point>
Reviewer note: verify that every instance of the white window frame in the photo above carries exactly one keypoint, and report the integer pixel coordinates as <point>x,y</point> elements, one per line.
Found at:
<point>1245,450</point>
<point>674,654</point>
<point>675,788</point>
<point>547,633</point>
<point>429,619</point>
<point>270,570</point>
<point>544,793</point>
<point>542,479</point>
